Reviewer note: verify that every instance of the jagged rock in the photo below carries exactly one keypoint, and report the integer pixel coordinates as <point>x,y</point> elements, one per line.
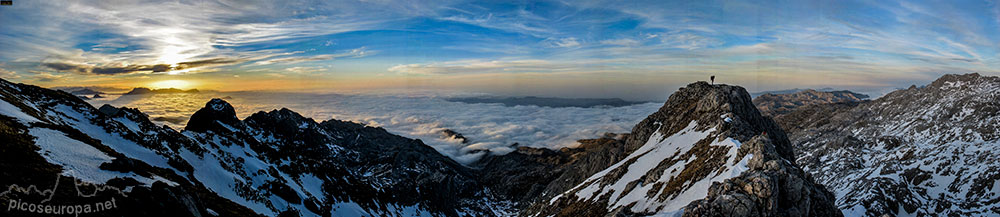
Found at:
<point>529,175</point>
<point>108,110</point>
<point>215,112</point>
<point>451,134</point>
<point>772,187</point>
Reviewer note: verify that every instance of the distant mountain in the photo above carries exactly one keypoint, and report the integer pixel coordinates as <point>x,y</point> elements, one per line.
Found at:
<point>777,104</point>
<point>85,91</point>
<point>548,101</point>
<point>921,151</point>
<point>143,90</point>
<point>789,91</point>
<point>95,89</point>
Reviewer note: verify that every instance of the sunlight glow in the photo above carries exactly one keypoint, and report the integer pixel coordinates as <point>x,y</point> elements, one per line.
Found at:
<point>179,84</point>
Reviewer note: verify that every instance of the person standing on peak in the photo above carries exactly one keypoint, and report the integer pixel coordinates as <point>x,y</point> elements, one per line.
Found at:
<point>713,79</point>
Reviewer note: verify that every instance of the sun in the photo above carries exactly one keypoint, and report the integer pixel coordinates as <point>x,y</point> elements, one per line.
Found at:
<point>179,84</point>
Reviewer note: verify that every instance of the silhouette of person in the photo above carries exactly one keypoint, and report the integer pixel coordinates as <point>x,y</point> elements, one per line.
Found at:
<point>713,79</point>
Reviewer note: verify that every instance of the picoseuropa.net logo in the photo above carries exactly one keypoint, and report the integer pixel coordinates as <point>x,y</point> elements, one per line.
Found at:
<point>45,206</point>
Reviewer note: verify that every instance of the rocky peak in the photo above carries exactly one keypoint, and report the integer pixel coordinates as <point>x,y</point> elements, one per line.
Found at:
<point>953,79</point>
<point>284,122</point>
<point>706,151</point>
<point>728,107</point>
<point>208,118</point>
<point>108,110</point>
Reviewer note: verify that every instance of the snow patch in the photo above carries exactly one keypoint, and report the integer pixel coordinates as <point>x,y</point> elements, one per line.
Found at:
<point>7,109</point>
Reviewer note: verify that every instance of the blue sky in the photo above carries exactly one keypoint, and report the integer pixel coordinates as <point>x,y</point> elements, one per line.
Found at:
<point>628,49</point>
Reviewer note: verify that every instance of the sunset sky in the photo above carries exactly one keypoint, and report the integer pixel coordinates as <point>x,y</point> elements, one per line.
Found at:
<point>628,49</point>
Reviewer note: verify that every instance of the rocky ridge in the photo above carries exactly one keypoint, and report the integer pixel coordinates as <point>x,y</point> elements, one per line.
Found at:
<point>778,104</point>
<point>921,151</point>
<point>271,163</point>
<point>706,149</point>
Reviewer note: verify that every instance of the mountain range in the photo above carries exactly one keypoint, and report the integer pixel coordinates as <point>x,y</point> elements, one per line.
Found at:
<point>708,151</point>
<point>921,151</point>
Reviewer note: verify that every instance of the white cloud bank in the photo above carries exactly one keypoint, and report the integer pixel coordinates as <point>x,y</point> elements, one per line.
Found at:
<point>488,126</point>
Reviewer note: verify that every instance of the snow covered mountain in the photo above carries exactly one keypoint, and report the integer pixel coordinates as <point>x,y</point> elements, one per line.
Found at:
<point>706,152</point>
<point>271,163</point>
<point>922,151</point>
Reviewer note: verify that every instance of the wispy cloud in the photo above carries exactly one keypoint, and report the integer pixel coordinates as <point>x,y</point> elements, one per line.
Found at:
<point>7,73</point>
<point>354,53</point>
<point>485,66</point>
<point>563,42</point>
<point>621,42</point>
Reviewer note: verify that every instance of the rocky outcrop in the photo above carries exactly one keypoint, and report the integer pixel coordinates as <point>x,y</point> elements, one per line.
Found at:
<point>773,186</point>
<point>778,104</point>
<point>532,175</point>
<point>217,115</point>
<point>707,148</point>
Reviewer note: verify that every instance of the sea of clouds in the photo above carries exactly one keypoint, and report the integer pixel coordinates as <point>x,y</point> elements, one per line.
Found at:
<point>423,116</point>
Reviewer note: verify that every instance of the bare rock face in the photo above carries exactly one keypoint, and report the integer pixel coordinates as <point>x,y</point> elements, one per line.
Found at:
<point>773,186</point>
<point>779,104</point>
<point>706,152</point>
<point>531,175</point>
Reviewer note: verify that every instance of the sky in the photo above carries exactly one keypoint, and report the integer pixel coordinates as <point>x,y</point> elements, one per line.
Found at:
<point>637,50</point>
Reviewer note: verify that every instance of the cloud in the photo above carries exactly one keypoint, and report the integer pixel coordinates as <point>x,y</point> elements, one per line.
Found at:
<point>354,53</point>
<point>139,37</point>
<point>512,22</point>
<point>303,70</point>
<point>297,59</point>
<point>7,74</point>
<point>42,76</point>
<point>484,66</point>
<point>563,42</point>
<point>116,69</point>
<point>491,127</point>
<point>689,41</point>
<point>621,42</point>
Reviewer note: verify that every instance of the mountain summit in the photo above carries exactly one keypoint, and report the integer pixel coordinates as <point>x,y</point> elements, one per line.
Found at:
<point>216,115</point>
<point>706,152</point>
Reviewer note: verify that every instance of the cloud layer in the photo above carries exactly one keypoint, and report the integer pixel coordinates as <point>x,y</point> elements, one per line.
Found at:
<point>491,127</point>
